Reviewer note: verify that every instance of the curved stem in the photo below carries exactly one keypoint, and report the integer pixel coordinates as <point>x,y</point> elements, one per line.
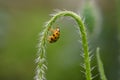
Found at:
<point>82,32</point>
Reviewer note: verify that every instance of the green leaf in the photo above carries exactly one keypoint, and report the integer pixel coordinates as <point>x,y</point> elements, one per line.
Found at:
<point>100,65</point>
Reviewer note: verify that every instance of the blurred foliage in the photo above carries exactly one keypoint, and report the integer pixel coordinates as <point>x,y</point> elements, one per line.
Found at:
<point>89,17</point>
<point>92,18</point>
<point>17,56</point>
<point>20,24</point>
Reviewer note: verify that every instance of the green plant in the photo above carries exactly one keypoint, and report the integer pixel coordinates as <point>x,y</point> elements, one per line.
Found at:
<point>41,60</point>
<point>100,65</point>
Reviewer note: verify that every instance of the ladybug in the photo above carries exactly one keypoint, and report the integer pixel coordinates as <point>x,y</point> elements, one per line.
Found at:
<point>55,35</point>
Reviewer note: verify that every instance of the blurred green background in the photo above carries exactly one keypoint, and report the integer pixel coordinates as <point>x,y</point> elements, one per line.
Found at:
<point>22,20</point>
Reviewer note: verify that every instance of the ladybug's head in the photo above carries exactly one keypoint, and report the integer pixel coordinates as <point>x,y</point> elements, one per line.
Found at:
<point>58,29</point>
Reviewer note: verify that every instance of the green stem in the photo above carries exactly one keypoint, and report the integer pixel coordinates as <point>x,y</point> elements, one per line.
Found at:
<point>83,35</point>
<point>100,66</point>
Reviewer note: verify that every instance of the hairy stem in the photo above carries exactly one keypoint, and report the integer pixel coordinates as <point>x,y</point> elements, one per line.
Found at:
<point>82,32</point>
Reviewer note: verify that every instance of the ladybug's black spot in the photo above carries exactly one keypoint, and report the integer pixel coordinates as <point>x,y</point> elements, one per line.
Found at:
<point>51,38</point>
<point>53,34</point>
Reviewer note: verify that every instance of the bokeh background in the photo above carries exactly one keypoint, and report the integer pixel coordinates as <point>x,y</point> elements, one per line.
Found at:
<point>22,20</point>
